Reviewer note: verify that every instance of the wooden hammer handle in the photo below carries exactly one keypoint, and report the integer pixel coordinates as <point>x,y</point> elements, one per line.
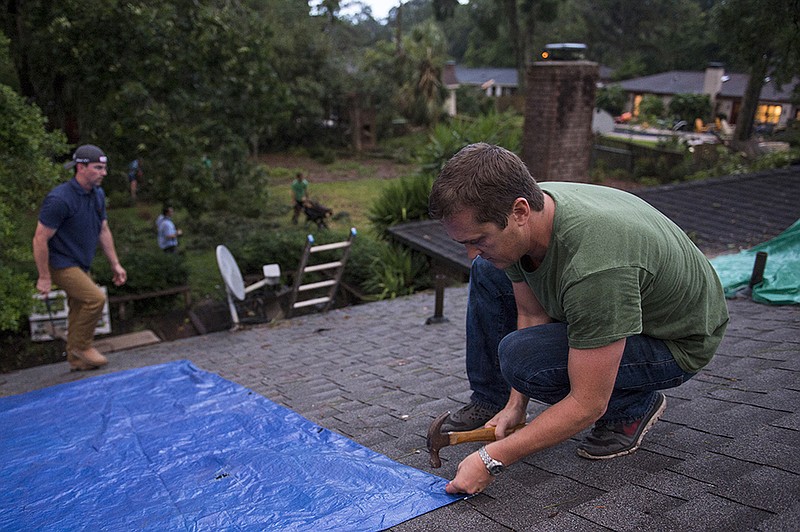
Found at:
<point>481,434</point>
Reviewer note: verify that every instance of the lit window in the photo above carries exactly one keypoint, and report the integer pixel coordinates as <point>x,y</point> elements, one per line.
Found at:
<point>769,114</point>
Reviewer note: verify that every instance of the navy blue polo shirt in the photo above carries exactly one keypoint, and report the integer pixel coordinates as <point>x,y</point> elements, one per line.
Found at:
<point>76,215</point>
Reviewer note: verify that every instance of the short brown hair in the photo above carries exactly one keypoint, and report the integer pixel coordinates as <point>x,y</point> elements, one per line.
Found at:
<point>486,178</point>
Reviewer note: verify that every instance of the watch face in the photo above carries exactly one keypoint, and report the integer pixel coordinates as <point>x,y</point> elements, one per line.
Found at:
<point>495,468</point>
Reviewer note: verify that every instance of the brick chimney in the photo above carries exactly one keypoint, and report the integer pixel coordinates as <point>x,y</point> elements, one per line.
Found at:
<point>450,80</point>
<point>559,105</point>
<point>712,81</point>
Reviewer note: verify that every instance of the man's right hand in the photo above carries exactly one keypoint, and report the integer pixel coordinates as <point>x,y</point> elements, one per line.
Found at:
<point>43,285</point>
<point>514,413</point>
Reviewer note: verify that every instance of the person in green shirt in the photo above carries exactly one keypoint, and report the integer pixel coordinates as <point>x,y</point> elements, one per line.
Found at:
<point>299,195</point>
<point>583,297</point>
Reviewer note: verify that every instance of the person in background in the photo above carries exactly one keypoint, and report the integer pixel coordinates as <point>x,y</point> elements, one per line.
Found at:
<point>299,195</point>
<point>134,175</point>
<point>167,232</point>
<point>72,221</point>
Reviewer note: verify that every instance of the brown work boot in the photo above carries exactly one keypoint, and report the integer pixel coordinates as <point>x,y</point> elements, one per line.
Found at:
<point>87,359</point>
<point>76,364</point>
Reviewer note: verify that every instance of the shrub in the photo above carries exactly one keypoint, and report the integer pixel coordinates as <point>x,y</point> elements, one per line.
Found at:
<point>148,271</point>
<point>446,139</point>
<point>472,101</point>
<point>396,271</point>
<point>27,172</point>
<point>688,107</point>
<point>357,272</point>
<point>403,201</point>
<point>247,197</point>
<point>208,230</point>
<point>791,134</point>
<point>722,161</point>
<point>659,168</point>
<point>282,246</point>
<point>405,149</point>
<point>651,108</point>
<point>611,99</point>
<point>778,159</point>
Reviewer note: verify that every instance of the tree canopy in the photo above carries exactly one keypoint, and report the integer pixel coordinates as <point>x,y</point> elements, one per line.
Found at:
<point>27,172</point>
<point>762,37</point>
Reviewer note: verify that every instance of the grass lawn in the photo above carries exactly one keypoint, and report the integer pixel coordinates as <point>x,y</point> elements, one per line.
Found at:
<point>351,197</point>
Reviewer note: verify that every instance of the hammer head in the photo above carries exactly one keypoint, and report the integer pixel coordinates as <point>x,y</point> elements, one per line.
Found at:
<point>436,440</point>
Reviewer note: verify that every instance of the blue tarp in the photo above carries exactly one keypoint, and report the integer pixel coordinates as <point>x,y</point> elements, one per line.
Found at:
<point>781,284</point>
<point>172,447</point>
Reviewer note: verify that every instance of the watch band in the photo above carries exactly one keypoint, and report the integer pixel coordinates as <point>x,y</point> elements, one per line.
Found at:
<point>495,467</point>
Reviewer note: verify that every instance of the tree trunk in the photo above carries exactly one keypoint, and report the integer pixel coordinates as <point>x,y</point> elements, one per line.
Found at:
<point>517,41</point>
<point>747,113</point>
<point>254,142</point>
<point>527,44</point>
<point>18,47</point>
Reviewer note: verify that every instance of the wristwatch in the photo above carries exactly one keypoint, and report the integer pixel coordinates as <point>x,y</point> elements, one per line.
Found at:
<point>495,467</point>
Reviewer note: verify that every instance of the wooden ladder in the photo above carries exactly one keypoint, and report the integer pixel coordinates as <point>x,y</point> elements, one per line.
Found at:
<point>334,269</point>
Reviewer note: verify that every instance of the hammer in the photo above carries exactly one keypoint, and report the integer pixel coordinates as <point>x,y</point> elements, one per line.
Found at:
<point>438,439</point>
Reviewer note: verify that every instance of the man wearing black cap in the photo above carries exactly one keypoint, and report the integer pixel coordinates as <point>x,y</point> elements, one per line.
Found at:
<point>72,221</point>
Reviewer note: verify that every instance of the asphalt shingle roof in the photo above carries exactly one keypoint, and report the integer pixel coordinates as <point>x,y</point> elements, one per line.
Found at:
<point>479,76</point>
<point>733,212</point>
<point>691,82</point>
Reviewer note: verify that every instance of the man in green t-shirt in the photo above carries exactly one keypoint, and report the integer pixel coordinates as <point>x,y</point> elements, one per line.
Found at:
<point>583,297</point>
<point>299,195</point>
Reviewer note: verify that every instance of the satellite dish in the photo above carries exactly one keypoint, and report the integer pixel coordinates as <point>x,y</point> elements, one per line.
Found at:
<point>230,272</point>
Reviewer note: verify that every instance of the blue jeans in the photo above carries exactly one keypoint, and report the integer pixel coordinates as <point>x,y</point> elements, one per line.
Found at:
<point>534,360</point>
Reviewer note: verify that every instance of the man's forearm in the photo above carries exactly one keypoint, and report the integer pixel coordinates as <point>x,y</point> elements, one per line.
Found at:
<point>555,425</point>
<point>107,245</point>
<point>41,256</point>
<point>517,400</point>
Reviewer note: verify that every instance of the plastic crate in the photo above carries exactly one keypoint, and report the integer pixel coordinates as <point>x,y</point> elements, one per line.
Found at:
<point>40,319</point>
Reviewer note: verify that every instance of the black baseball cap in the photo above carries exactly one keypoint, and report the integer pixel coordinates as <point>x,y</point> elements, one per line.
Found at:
<point>88,153</point>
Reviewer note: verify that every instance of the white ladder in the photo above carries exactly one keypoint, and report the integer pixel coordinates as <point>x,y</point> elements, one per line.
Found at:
<point>334,270</point>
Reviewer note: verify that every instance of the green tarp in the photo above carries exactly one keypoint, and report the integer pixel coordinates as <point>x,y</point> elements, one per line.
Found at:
<point>781,284</point>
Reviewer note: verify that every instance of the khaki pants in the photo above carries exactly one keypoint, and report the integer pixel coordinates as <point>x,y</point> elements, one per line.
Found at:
<point>86,302</point>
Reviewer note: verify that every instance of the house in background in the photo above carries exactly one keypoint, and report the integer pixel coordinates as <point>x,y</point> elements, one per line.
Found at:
<point>495,82</point>
<point>726,92</point>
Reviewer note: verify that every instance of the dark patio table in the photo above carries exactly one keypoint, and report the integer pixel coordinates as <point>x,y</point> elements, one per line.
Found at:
<point>448,258</point>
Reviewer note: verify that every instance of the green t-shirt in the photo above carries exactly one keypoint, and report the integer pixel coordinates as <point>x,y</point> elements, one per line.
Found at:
<point>616,267</point>
<point>299,189</point>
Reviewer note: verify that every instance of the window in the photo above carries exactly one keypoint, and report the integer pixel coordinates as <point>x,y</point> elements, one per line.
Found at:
<point>768,114</point>
<point>636,101</point>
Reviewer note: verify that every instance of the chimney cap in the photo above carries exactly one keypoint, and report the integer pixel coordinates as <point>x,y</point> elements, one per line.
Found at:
<point>564,51</point>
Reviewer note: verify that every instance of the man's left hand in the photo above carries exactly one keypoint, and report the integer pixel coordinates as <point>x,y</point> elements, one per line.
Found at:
<point>471,477</point>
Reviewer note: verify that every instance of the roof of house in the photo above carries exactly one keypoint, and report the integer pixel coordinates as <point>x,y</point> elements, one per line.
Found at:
<point>505,77</point>
<point>478,76</point>
<point>690,82</point>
